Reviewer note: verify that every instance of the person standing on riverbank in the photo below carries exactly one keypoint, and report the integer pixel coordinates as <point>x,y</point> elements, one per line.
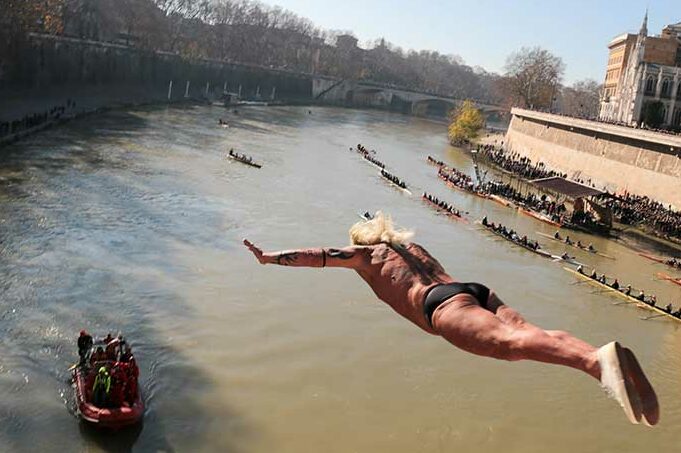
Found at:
<point>469,315</point>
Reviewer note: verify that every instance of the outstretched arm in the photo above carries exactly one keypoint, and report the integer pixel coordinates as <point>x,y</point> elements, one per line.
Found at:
<point>349,257</point>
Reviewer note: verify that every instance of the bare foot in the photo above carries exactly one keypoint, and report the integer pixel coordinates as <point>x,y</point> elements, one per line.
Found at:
<point>651,408</point>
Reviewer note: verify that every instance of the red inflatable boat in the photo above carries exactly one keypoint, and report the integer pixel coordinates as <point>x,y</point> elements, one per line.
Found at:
<point>109,417</point>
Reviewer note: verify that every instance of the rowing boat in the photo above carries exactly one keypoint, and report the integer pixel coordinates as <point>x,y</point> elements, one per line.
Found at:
<point>652,258</point>
<point>519,244</point>
<point>545,254</point>
<point>658,260</point>
<point>583,249</point>
<point>630,299</point>
<point>669,278</point>
<point>435,162</point>
<point>454,186</point>
<point>444,211</point>
<point>539,216</point>
<point>243,161</point>
<point>502,201</point>
<point>404,189</point>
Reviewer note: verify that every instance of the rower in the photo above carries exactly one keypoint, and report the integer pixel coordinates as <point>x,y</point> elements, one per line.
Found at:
<point>594,275</point>
<point>603,279</point>
<point>641,296</point>
<point>567,240</point>
<point>668,308</point>
<point>615,284</point>
<point>565,256</point>
<point>591,247</point>
<point>579,244</point>
<point>653,300</point>
<point>628,290</point>
<point>580,269</point>
<point>557,235</point>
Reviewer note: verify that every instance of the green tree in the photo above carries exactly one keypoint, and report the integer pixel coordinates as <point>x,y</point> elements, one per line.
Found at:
<point>465,123</point>
<point>653,114</point>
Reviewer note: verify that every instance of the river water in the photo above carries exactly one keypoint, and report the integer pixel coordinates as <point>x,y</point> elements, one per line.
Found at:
<point>132,221</point>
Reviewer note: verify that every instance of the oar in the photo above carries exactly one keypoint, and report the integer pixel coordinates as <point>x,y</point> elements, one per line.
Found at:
<point>651,317</point>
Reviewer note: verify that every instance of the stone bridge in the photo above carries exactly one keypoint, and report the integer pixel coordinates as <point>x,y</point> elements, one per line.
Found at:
<point>371,94</point>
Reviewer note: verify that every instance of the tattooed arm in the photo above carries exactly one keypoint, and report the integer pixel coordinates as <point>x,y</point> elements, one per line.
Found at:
<point>349,257</point>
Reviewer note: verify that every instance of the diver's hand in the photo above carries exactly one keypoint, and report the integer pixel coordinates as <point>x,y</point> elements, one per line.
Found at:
<point>257,252</point>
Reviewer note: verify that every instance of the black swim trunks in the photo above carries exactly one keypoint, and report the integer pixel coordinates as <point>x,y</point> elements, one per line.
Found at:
<point>437,295</point>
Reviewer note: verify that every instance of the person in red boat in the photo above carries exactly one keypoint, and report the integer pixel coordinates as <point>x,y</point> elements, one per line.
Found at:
<point>84,345</point>
<point>469,315</point>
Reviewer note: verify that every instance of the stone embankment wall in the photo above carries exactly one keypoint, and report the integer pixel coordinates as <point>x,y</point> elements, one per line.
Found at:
<point>617,158</point>
<point>48,63</point>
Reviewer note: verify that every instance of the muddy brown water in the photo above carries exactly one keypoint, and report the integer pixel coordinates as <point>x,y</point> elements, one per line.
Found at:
<point>132,221</point>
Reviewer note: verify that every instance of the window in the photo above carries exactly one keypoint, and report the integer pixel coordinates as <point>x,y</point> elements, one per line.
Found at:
<point>676,121</point>
<point>666,88</point>
<point>650,85</point>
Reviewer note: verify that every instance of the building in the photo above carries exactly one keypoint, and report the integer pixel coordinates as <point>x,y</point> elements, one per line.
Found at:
<point>643,79</point>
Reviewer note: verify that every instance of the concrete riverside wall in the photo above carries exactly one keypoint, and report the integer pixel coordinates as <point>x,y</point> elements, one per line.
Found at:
<point>47,62</point>
<point>615,157</point>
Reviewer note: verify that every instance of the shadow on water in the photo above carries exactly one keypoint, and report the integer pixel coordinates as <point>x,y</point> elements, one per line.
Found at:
<point>115,442</point>
<point>86,243</point>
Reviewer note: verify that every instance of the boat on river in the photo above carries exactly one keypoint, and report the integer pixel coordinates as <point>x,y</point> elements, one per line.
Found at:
<point>539,216</point>
<point>584,249</point>
<point>439,208</point>
<point>403,186</point>
<point>665,261</point>
<point>630,299</point>
<point>538,251</point>
<point>244,159</point>
<point>669,278</point>
<point>104,417</point>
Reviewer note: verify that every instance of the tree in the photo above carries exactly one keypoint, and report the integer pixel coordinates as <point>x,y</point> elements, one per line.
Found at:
<point>653,114</point>
<point>465,123</point>
<point>532,77</point>
<point>582,99</point>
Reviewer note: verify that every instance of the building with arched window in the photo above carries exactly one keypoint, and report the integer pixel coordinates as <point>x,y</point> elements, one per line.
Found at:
<point>643,78</point>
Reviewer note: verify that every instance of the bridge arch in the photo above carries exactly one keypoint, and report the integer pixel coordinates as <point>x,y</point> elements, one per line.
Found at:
<point>433,107</point>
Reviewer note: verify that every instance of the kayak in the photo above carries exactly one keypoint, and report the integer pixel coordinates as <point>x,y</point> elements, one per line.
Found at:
<point>109,418</point>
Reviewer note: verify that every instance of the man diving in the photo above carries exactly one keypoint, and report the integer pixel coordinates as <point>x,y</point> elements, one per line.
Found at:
<point>469,315</point>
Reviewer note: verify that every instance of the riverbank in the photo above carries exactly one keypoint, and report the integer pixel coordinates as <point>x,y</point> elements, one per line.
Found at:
<point>87,101</point>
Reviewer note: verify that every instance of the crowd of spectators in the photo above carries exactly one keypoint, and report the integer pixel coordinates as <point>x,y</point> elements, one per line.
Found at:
<point>514,163</point>
<point>628,209</point>
<point>35,119</point>
<point>632,209</point>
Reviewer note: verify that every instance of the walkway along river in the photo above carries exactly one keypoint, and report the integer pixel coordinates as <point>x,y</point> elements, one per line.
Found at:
<point>132,220</point>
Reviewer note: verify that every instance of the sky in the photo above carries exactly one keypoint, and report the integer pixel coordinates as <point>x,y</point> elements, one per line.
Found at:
<point>485,32</point>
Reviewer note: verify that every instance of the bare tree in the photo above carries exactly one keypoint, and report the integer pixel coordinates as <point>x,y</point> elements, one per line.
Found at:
<point>533,76</point>
<point>582,99</point>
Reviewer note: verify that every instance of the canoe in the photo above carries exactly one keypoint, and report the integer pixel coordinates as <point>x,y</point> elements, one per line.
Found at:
<point>548,236</point>
<point>251,163</point>
<point>620,294</point>
<point>459,218</point>
<point>539,216</point>
<point>110,418</point>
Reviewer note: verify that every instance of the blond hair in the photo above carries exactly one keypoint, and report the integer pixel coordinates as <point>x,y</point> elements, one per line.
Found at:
<point>377,230</point>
